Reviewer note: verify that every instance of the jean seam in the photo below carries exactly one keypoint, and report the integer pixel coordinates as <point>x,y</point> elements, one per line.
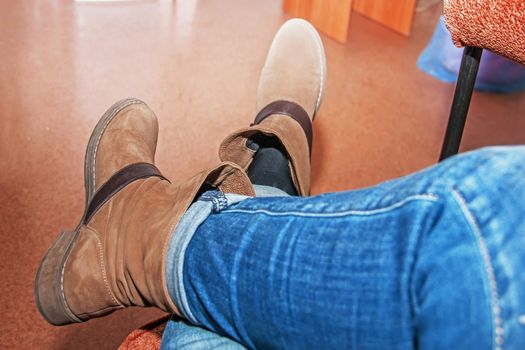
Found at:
<point>497,322</point>
<point>217,198</point>
<point>371,212</point>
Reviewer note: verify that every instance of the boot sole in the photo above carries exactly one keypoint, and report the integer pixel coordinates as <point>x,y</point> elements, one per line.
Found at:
<point>49,291</point>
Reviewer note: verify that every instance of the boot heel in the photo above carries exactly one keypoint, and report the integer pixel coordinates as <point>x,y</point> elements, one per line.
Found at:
<point>49,295</point>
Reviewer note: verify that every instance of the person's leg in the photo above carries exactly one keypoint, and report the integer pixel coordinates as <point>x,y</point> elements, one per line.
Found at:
<point>275,150</point>
<point>181,335</point>
<point>269,166</point>
<point>115,257</point>
<point>432,260</point>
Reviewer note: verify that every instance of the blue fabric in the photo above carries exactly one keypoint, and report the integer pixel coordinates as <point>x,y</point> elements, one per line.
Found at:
<point>199,211</point>
<point>441,59</point>
<point>430,261</point>
<point>180,335</point>
<point>210,202</point>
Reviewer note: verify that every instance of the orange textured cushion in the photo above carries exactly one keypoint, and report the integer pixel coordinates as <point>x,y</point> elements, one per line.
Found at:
<point>147,337</point>
<point>497,25</point>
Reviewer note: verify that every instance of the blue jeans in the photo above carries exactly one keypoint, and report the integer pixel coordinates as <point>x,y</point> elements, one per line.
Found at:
<point>434,260</point>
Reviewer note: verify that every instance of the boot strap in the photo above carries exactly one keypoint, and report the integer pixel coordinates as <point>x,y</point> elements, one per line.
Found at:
<point>118,181</point>
<point>291,109</point>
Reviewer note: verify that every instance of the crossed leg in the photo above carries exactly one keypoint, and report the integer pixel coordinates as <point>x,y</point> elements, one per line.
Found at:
<point>427,261</point>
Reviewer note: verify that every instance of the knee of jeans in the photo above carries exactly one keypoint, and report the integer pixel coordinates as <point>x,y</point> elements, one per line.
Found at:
<point>489,185</point>
<point>496,165</point>
<point>498,157</point>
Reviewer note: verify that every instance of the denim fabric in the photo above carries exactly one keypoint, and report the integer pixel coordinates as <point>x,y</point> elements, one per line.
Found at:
<point>431,261</point>
<point>210,202</point>
<point>180,335</point>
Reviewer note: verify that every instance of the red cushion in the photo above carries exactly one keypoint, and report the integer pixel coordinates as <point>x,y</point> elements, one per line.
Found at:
<point>497,25</point>
<point>147,337</point>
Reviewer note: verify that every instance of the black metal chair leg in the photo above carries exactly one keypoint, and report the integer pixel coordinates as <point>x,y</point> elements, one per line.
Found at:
<point>461,103</point>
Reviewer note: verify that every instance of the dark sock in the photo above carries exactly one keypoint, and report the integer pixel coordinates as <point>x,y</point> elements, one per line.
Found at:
<point>270,164</point>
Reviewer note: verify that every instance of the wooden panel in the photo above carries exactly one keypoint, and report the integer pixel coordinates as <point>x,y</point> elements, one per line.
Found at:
<point>331,17</point>
<point>395,14</point>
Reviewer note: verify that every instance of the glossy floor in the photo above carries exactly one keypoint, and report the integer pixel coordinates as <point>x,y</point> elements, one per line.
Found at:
<point>196,63</point>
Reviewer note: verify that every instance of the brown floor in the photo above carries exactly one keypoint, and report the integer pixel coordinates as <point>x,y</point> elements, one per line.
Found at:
<point>196,63</point>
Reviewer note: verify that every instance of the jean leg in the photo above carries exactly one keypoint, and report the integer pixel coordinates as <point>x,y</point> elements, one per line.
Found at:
<point>464,276</point>
<point>399,265</point>
<point>180,335</point>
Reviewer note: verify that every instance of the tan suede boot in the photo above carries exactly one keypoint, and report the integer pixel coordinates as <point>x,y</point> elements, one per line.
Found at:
<point>290,91</point>
<point>116,256</point>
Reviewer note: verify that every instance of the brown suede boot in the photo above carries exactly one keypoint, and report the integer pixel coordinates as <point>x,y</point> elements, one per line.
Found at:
<point>116,256</point>
<point>290,91</point>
